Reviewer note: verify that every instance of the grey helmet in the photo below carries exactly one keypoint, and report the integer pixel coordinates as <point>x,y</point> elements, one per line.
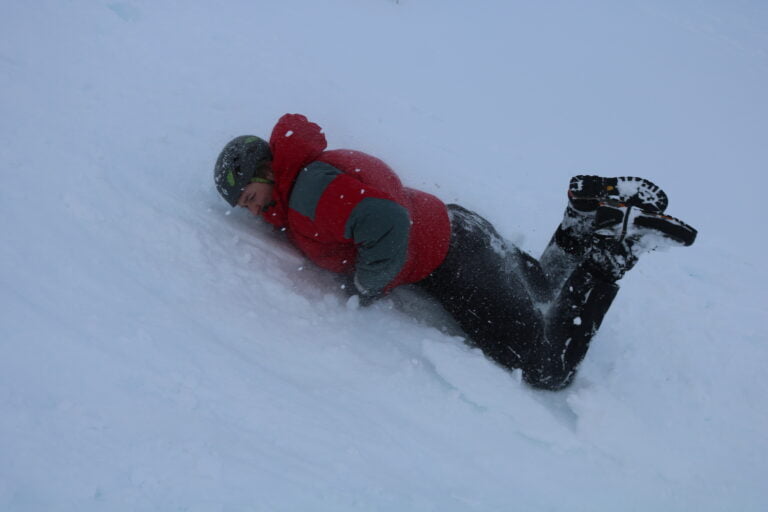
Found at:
<point>238,163</point>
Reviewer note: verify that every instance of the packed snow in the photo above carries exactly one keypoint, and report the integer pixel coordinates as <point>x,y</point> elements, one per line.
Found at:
<point>159,351</point>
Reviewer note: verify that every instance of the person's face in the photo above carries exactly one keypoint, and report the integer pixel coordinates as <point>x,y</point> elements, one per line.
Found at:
<point>255,197</point>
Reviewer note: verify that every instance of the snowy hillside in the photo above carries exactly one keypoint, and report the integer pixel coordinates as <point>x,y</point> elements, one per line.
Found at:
<point>161,352</point>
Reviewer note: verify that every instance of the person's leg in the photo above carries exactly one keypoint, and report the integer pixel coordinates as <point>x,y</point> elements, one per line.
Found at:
<point>481,286</point>
<point>567,247</point>
<point>531,272</point>
<point>621,234</point>
<point>571,321</point>
<point>488,287</point>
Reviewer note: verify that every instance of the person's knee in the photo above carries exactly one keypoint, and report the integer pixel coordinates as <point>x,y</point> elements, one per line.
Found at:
<point>549,379</point>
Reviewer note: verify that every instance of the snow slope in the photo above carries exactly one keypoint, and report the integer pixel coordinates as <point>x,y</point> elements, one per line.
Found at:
<point>161,352</point>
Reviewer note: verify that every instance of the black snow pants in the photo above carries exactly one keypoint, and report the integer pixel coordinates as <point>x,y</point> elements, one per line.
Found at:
<point>520,312</point>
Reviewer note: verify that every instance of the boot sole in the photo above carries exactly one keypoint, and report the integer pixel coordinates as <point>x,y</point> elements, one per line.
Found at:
<point>586,192</point>
<point>622,221</point>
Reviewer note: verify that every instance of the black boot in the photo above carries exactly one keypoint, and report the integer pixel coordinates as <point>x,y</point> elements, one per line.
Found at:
<point>586,194</point>
<point>623,233</point>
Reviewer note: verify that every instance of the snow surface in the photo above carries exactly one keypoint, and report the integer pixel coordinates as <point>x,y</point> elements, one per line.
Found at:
<point>161,352</point>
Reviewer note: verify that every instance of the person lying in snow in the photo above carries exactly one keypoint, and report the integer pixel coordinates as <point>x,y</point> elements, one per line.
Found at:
<point>349,213</point>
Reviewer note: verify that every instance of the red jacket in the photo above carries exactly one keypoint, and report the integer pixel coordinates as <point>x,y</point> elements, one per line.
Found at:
<point>348,211</point>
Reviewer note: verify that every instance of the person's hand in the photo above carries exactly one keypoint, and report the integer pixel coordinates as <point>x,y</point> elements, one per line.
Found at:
<point>356,298</point>
<point>367,300</point>
<point>360,301</point>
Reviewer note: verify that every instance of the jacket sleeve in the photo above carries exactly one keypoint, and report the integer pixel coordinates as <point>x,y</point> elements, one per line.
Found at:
<point>379,228</point>
<point>346,210</point>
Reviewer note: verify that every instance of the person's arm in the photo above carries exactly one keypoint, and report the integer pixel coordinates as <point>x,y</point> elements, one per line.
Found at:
<point>380,229</point>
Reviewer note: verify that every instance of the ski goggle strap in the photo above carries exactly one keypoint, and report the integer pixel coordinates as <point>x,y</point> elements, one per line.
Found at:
<point>263,180</point>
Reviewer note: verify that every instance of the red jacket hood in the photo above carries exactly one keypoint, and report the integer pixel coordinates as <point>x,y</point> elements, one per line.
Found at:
<point>295,142</point>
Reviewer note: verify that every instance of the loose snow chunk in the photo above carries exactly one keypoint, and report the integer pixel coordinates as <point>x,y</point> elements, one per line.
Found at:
<point>357,170</point>
<point>362,191</point>
<point>289,133</point>
<point>577,320</point>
